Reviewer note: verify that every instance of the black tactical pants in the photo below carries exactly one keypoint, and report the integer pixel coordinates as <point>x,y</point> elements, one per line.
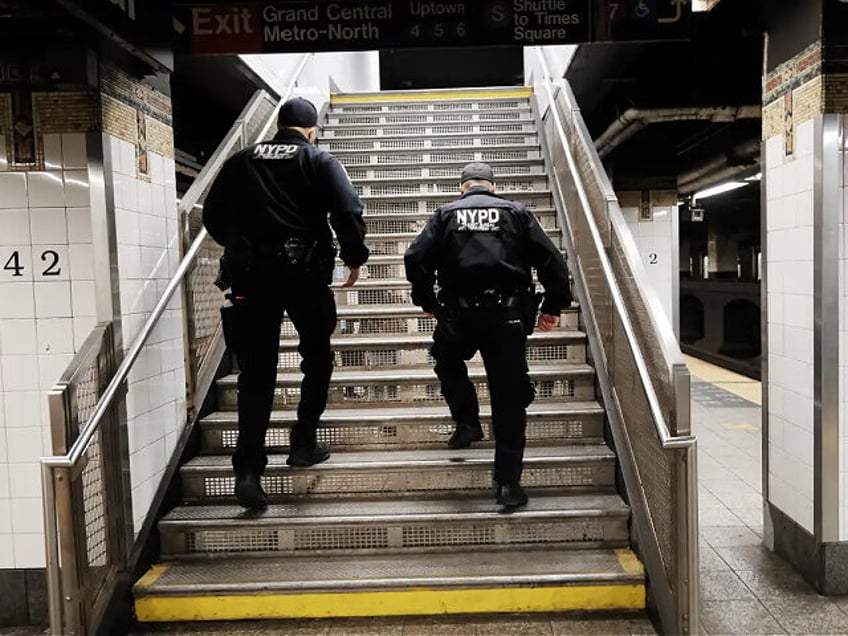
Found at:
<point>260,301</point>
<point>497,332</point>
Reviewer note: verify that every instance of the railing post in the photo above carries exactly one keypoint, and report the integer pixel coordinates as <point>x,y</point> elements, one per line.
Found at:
<point>686,569</point>
<point>72,614</point>
<point>51,545</point>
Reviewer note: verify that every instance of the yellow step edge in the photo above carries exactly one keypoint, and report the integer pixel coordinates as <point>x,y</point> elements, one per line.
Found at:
<point>421,602</point>
<point>431,96</point>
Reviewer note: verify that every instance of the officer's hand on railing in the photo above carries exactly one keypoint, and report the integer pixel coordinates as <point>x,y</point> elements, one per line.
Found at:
<point>547,322</point>
<point>352,276</point>
<point>428,314</point>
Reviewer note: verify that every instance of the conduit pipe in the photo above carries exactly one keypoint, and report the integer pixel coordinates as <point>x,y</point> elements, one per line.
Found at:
<point>635,119</point>
<point>742,159</point>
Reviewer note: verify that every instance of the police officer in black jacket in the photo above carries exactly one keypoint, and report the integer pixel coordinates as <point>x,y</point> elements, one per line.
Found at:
<point>479,250</point>
<point>268,208</point>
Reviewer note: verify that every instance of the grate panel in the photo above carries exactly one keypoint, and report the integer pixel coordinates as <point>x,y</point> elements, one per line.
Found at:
<point>573,532</point>
<point>540,353</point>
<point>217,541</point>
<point>402,144</point>
<point>391,207</point>
<point>349,538</point>
<point>423,536</point>
<point>389,189</point>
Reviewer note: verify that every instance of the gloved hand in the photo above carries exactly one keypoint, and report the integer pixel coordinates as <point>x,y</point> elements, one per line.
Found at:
<point>547,322</point>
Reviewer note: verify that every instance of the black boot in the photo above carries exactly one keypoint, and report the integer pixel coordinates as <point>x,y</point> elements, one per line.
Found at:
<point>511,495</point>
<point>309,456</point>
<point>249,492</point>
<point>464,435</point>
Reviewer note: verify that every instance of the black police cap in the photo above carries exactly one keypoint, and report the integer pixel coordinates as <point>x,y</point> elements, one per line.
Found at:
<point>297,112</point>
<point>477,170</point>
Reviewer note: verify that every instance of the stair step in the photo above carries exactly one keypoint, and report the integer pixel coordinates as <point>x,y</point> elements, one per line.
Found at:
<point>427,202</point>
<point>404,428</point>
<point>432,133</point>
<point>407,103</point>
<point>384,266</point>
<point>580,520</point>
<point>419,126</point>
<point>470,581</point>
<point>475,141</point>
<point>396,244</point>
<point>390,221</point>
<point>400,319</point>
<point>393,473</point>
<point>413,350</point>
<point>448,169</point>
<point>508,186</point>
<point>426,117</point>
<point>364,157</point>
<point>562,382</point>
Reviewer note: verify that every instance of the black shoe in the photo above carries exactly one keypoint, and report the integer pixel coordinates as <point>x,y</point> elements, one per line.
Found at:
<point>249,492</point>
<point>464,435</point>
<point>309,457</point>
<point>511,495</point>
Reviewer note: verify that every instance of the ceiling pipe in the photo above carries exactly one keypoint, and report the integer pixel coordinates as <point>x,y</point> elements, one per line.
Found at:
<point>741,160</point>
<point>635,119</point>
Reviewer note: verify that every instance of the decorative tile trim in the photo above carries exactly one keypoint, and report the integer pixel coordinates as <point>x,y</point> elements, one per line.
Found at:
<point>61,112</point>
<point>793,73</point>
<point>160,138</point>
<point>121,86</point>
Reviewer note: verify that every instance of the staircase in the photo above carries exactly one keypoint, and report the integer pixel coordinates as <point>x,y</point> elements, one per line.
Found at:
<point>395,523</point>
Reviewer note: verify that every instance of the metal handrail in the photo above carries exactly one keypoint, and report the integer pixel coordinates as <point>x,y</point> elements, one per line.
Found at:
<point>663,430</point>
<point>658,459</point>
<point>83,442</point>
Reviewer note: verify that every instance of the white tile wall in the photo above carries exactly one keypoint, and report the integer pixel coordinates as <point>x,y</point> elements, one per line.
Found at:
<point>147,232</point>
<point>45,246</point>
<point>656,244</point>
<point>789,251</point>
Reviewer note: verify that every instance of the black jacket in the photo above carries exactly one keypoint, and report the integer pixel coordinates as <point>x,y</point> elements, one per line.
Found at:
<point>276,190</point>
<point>482,241</point>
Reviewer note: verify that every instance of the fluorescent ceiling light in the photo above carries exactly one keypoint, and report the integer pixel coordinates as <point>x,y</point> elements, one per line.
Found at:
<point>719,189</point>
<point>756,177</point>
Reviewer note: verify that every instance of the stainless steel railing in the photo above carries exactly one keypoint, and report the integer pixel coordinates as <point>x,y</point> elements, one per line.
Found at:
<point>88,534</point>
<point>643,379</point>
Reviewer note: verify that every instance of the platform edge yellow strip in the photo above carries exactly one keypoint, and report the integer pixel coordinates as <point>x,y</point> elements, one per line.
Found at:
<point>629,562</point>
<point>423,602</point>
<point>364,99</point>
<point>152,575</point>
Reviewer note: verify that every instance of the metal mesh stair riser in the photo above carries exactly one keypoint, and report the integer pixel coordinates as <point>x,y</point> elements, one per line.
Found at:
<point>394,523</point>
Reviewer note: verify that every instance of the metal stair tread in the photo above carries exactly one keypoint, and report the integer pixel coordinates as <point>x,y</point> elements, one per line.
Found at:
<point>418,340</point>
<point>551,566</point>
<point>431,135</point>
<point>402,216</point>
<point>453,164</point>
<point>450,196</point>
<point>417,124</point>
<point>424,375</point>
<point>430,151</point>
<point>395,510</point>
<point>350,312</point>
<point>409,236</point>
<point>395,414</point>
<point>448,179</point>
<point>422,458</point>
<point>378,283</point>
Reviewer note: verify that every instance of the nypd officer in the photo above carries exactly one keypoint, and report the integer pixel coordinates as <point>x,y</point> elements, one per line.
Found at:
<point>480,249</point>
<point>269,208</point>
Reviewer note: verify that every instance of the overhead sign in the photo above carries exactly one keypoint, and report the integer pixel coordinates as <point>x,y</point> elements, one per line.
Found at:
<point>324,25</point>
